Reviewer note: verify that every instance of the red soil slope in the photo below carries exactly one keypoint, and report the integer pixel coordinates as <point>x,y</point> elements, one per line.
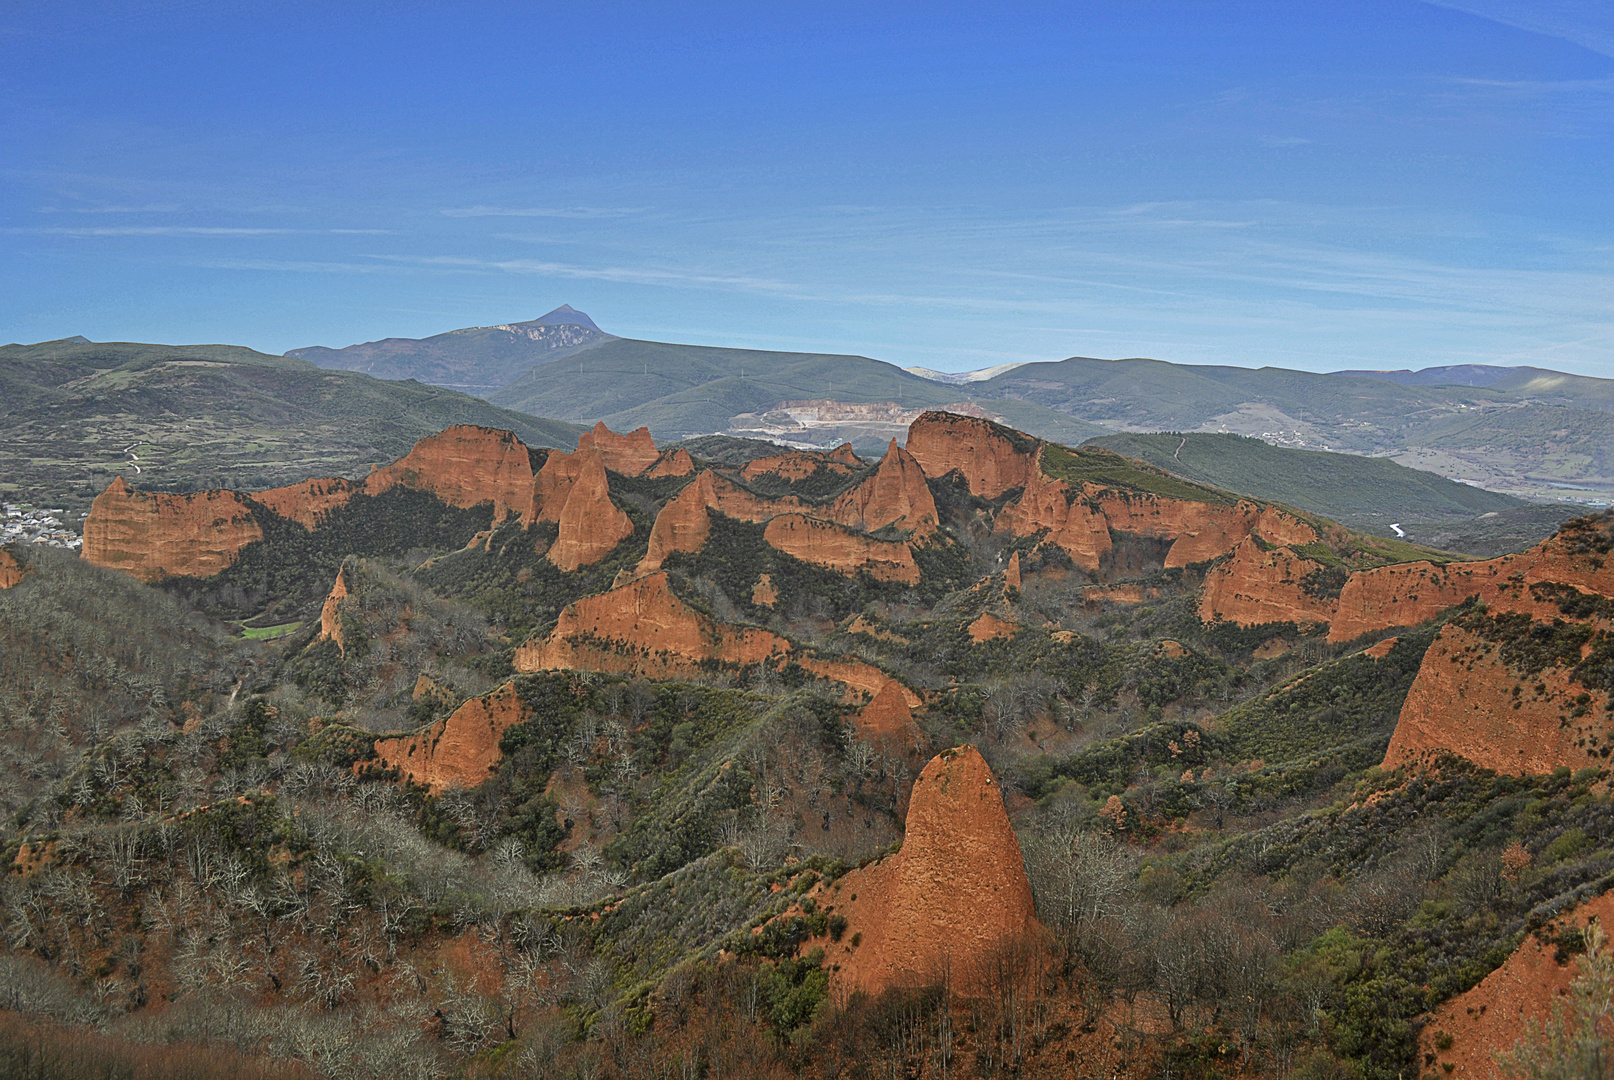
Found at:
<point>1491,1016</point>
<point>459,751</point>
<point>11,571</point>
<point>955,894</point>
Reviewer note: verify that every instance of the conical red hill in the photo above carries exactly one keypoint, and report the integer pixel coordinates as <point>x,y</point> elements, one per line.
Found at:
<point>946,903</point>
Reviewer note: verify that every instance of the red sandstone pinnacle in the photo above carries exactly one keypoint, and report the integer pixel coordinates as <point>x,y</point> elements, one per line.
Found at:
<point>895,495</point>
<point>461,750</point>
<point>674,463</point>
<point>629,454</point>
<point>887,719</point>
<point>946,903</point>
<point>153,536</point>
<point>977,449</point>
<point>591,525</point>
<point>330,613</point>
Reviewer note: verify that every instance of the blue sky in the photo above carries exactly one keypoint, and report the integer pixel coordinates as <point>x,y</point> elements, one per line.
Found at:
<point>1308,185</point>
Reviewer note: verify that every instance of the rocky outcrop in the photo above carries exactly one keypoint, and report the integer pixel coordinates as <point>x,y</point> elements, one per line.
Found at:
<point>988,627</point>
<point>629,454</point>
<point>1073,524</point>
<point>591,525</point>
<point>673,463</point>
<point>991,458</point>
<point>11,571</point>
<point>763,594</point>
<point>330,613</point>
<point>856,676</point>
<point>307,503</point>
<point>683,524</point>
<point>800,464</point>
<point>948,902</point>
<point>465,466</point>
<point>153,536</point>
<point>1011,575</point>
<point>896,494</point>
<point>1467,701</point>
<point>459,751</point>
<point>643,628</point>
<point>1463,1036</point>
<point>1262,584</point>
<point>823,543</point>
<point>888,719</point>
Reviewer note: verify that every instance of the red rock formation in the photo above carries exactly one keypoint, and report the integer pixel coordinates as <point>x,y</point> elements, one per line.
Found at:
<point>307,503</point>
<point>895,495</point>
<point>330,614</point>
<point>989,627</point>
<point>1073,524</point>
<point>460,751</point>
<point>1491,1016</point>
<point>673,463</point>
<point>1263,585</point>
<point>953,897</point>
<point>826,544</point>
<point>1011,576</point>
<point>153,536</point>
<point>682,523</point>
<point>643,628</point>
<point>465,466</point>
<point>763,594</point>
<point>591,525</point>
<point>629,454</point>
<point>11,571</point>
<point>990,460</point>
<point>1462,701</point>
<point>856,676</point>
<point>888,720</point>
<point>800,464</point>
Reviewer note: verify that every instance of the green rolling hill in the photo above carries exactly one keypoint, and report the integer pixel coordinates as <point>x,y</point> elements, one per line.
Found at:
<point>179,418</point>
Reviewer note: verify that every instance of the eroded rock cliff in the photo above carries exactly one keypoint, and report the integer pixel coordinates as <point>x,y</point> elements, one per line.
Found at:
<point>826,544</point>
<point>629,454</point>
<point>11,571</point>
<point>591,525</point>
<point>461,750</point>
<point>948,902</point>
<point>465,466</point>
<point>895,495</point>
<point>991,458</point>
<point>800,464</point>
<point>153,536</point>
<point>307,503</point>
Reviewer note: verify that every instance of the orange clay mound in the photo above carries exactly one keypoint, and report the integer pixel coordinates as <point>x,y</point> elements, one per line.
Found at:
<point>1462,701</point>
<point>629,454</point>
<point>800,464</point>
<point>465,466</point>
<point>307,503</point>
<point>330,614</point>
<point>840,549</point>
<point>673,463</point>
<point>895,495</point>
<point>989,628</point>
<point>153,536</point>
<point>459,751</point>
<point>888,719</point>
<point>643,628</point>
<point>11,571</point>
<point>948,901</point>
<point>979,450</point>
<point>1490,1017</point>
<point>591,525</point>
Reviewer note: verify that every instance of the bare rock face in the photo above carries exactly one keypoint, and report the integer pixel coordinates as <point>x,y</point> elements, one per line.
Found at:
<point>465,466</point>
<point>948,901</point>
<point>1075,525</point>
<point>673,463</point>
<point>153,536</point>
<point>460,751</point>
<point>643,628</point>
<point>1490,1017</point>
<point>800,464</point>
<point>1462,702</point>
<point>330,613</point>
<point>1261,585</point>
<point>763,594</point>
<point>629,454</point>
<point>895,495</point>
<point>858,678</point>
<point>11,571</point>
<point>591,525</point>
<point>991,459</point>
<point>1011,576</point>
<point>888,719</point>
<point>307,503</point>
<point>989,627</point>
<point>840,549</point>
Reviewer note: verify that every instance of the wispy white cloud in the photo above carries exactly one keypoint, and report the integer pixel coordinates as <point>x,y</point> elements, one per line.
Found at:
<point>578,212</point>
<point>1587,23</point>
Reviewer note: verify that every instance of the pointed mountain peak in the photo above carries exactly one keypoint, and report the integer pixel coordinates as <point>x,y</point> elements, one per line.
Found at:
<point>566,315</point>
